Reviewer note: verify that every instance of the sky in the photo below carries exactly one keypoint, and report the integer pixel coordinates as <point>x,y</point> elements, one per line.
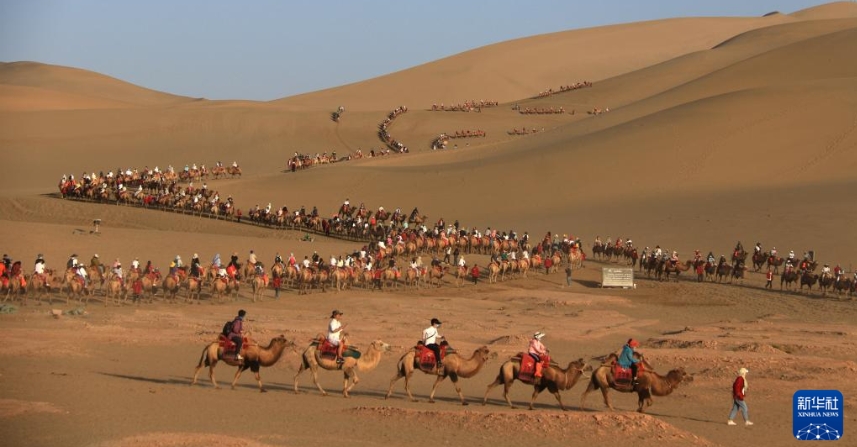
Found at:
<point>264,50</point>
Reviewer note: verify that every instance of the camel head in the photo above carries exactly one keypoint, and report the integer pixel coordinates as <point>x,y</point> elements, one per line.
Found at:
<point>679,375</point>
<point>281,339</point>
<point>483,352</point>
<point>381,345</point>
<point>580,364</point>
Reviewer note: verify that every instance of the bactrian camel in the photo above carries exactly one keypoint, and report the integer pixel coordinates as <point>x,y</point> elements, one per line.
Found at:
<point>312,360</point>
<point>554,379</point>
<point>254,355</point>
<point>454,366</point>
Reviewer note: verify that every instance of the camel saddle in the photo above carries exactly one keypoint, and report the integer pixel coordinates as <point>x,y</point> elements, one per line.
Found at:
<point>328,351</point>
<point>425,356</point>
<point>622,376</point>
<point>528,367</point>
<point>227,345</point>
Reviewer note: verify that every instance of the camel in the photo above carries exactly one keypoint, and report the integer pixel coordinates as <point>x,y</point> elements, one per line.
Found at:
<point>75,287</point>
<point>775,262</point>
<point>554,379</point>
<point>194,288</point>
<point>254,355</point>
<point>150,285</point>
<point>460,275</point>
<point>41,286</point>
<point>96,277</point>
<point>454,366</point>
<point>676,268</point>
<point>436,273</point>
<point>306,278</point>
<point>116,290</point>
<point>389,278</point>
<point>825,281</point>
<point>171,287</point>
<point>649,383</point>
<point>340,278</point>
<point>808,279</point>
<point>224,286</point>
<point>493,272</point>
<point>259,286</point>
<point>311,360</point>
<point>412,278</point>
<point>790,278</point>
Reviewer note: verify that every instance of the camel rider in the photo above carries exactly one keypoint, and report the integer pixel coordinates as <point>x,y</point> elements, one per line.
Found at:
<point>774,252</point>
<point>658,251</point>
<point>627,360</point>
<point>825,271</point>
<point>539,353</point>
<point>461,262</point>
<point>95,263</point>
<point>335,334</point>
<point>837,272</point>
<point>118,272</point>
<point>39,269</point>
<point>674,258</point>
<point>72,262</point>
<point>178,261</point>
<point>792,256</point>
<point>7,261</point>
<point>259,268</point>
<point>236,334</point>
<point>711,258</point>
<point>135,265</point>
<point>216,261</point>
<point>757,250</point>
<point>430,339</point>
<point>415,266</point>
<point>739,248</point>
<point>150,269</point>
<point>306,262</point>
<point>194,266</point>
<point>233,261</point>
<point>697,255</point>
<point>278,259</point>
<point>314,212</point>
<point>292,260</point>
<point>252,258</point>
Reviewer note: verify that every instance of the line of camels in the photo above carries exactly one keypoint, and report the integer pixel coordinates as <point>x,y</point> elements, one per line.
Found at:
<point>455,366</point>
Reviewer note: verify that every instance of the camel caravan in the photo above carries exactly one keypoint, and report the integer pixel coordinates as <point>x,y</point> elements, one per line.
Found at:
<point>467,106</point>
<point>524,131</point>
<point>542,111</point>
<point>335,352</point>
<point>562,89</point>
<point>384,134</point>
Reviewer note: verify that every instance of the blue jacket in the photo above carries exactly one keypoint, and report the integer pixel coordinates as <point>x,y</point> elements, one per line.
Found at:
<point>626,359</point>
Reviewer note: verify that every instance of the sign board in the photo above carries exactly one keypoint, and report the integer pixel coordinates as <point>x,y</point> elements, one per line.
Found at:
<point>617,277</point>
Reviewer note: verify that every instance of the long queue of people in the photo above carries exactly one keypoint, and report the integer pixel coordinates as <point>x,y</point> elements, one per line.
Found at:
<point>384,134</point>
<point>467,106</point>
<point>563,88</point>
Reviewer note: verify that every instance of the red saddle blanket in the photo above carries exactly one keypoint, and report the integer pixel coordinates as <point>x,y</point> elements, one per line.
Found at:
<point>426,358</point>
<point>528,368</point>
<point>228,345</point>
<point>327,349</point>
<point>623,375</point>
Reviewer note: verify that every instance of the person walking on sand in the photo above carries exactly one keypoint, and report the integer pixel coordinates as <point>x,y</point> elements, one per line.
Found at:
<point>568,276</point>
<point>739,390</point>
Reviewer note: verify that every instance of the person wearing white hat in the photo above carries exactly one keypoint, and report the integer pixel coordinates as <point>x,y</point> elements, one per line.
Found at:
<point>739,391</point>
<point>539,353</point>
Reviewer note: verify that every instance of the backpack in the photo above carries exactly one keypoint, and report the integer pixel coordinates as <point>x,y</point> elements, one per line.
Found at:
<point>227,328</point>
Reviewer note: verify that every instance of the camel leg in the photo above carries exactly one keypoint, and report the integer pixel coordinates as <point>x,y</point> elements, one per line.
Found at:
<point>491,386</point>
<point>238,374</point>
<point>604,392</point>
<point>352,374</point>
<point>558,399</point>
<point>408,375</point>
<point>589,389</point>
<point>434,388</point>
<point>315,381</point>
<point>393,381</point>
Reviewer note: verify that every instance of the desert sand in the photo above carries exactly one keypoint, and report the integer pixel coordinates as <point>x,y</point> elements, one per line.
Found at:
<point>719,130</point>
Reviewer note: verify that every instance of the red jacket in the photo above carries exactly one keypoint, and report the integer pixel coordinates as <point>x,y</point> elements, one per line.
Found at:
<point>738,388</point>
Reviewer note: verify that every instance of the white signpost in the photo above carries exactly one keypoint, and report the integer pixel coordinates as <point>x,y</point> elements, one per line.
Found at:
<point>617,277</point>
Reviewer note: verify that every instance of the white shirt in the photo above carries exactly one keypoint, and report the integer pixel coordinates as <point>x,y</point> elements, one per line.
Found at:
<point>306,263</point>
<point>333,332</point>
<point>430,335</point>
<point>40,268</point>
<point>135,264</point>
<point>461,262</point>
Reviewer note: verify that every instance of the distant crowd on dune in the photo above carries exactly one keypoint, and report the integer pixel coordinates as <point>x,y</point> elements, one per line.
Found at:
<point>442,140</point>
<point>542,111</point>
<point>384,133</point>
<point>563,88</point>
<point>467,106</point>
<point>524,131</point>
<point>304,161</point>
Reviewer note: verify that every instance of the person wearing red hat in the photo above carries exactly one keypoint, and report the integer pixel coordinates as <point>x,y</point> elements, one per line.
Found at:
<point>627,360</point>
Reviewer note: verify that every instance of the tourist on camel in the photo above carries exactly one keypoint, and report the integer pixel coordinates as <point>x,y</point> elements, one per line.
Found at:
<point>236,334</point>
<point>539,353</point>
<point>39,269</point>
<point>117,272</point>
<point>627,359</point>
<point>95,263</point>
<point>430,339</point>
<point>194,266</point>
<point>335,335</point>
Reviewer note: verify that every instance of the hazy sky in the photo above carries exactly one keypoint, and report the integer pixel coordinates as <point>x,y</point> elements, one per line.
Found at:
<point>265,50</point>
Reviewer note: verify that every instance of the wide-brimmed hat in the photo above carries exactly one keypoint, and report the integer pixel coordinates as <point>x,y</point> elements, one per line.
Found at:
<point>538,335</point>
<point>435,321</point>
<point>335,313</point>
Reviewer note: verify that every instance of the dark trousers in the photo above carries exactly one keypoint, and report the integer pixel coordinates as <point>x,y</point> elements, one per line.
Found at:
<point>436,349</point>
<point>633,372</point>
<point>239,341</point>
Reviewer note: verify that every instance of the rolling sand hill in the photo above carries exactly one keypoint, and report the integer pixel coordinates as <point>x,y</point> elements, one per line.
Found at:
<point>719,129</point>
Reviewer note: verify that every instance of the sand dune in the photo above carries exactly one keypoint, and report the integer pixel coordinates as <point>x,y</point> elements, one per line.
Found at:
<point>81,82</point>
<point>719,129</point>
